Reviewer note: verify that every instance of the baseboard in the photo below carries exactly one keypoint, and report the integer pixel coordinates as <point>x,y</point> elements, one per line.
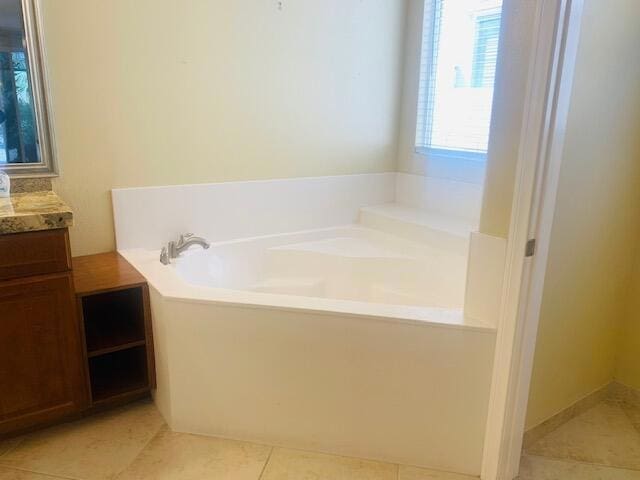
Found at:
<point>536,433</point>
<point>612,392</point>
<point>624,394</point>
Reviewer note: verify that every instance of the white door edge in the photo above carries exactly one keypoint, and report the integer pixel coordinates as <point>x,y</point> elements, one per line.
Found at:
<point>555,41</point>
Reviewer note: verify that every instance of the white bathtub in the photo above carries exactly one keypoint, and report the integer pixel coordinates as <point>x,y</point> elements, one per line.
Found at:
<point>349,269</point>
<point>346,340</point>
<point>348,263</point>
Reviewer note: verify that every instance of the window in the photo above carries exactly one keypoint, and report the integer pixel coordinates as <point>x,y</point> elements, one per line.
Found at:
<point>18,142</point>
<point>26,136</point>
<point>457,76</point>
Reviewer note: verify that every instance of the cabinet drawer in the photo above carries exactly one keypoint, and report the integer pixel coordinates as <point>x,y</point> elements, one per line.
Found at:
<point>34,253</point>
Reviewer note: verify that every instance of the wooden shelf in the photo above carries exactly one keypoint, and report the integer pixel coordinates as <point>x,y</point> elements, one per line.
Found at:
<point>117,348</point>
<point>113,318</point>
<point>104,272</point>
<point>113,303</point>
<point>116,373</point>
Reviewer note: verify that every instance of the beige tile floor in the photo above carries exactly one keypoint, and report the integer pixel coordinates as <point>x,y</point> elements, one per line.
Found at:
<point>133,443</point>
<point>602,443</point>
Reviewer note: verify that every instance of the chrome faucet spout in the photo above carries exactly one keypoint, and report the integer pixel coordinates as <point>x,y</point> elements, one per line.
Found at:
<point>174,249</point>
<point>187,240</point>
<point>164,256</point>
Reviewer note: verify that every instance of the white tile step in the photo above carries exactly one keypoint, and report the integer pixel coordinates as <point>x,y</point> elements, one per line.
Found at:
<point>442,231</point>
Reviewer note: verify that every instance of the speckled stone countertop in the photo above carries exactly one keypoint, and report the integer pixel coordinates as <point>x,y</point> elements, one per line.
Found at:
<point>28,212</point>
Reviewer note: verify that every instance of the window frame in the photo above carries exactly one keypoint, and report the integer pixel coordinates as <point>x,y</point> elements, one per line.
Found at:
<point>47,166</point>
<point>435,6</point>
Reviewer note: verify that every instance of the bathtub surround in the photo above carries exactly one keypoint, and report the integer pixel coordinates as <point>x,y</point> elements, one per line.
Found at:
<point>454,207</point>
<point>342,351</point>
<point>443,231</point>
<point>485,277</point>
<point>350,270</point>
<point>27,212</point>
<point>265,214</point>
<point>145,217</point>
<point>447,197</point>
<point>413,207</point>
<point>347,385</point>
<point>150,217</point>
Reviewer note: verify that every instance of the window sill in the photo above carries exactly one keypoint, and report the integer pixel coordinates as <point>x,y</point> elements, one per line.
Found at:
<point>452,155</point>
<point>26,170</point>
<point>452,165</point>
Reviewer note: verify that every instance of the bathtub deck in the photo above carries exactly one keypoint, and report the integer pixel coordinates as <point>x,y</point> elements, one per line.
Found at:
<point>352,270</point>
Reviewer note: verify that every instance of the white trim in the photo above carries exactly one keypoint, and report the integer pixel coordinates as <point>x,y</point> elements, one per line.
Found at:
<point>548,98</point>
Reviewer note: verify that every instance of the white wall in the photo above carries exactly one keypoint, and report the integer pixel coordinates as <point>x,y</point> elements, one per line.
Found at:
<point>595,233</point>
<point>165,92</point>
<point>628,351</point>
<point>508,109</point>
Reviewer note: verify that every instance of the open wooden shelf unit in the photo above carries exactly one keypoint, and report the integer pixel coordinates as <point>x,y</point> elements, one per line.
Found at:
<point>113,306</point>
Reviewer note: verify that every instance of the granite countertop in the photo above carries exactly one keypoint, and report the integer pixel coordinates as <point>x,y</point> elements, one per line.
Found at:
<point>28,212</point>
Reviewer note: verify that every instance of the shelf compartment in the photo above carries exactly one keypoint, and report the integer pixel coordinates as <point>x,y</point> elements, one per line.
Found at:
<point>117,348</point>
<point>117,373</point>
<point>113,319</point>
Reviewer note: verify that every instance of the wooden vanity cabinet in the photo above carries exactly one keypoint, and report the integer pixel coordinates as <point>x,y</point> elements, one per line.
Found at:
<point>42,372</point>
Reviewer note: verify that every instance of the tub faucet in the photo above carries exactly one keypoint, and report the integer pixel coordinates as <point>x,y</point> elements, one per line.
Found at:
<point>173,249</point>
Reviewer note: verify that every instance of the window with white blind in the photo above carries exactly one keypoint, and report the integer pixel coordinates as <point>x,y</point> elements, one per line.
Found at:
<point>457,76</point>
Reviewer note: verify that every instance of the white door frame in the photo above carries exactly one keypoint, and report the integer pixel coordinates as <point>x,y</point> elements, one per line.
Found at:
<point>555,45</point>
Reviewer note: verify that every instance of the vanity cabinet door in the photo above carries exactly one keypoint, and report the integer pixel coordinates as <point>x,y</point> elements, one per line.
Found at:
<point>41,373</point>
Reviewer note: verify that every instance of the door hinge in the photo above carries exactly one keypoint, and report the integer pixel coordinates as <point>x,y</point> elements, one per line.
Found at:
<point>530,250</point>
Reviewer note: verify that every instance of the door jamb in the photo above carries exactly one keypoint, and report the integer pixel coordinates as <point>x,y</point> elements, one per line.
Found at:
<point>555,47</point>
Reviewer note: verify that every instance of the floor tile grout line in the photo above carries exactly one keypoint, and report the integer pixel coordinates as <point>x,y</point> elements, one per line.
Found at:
<point>22,439</point>
<point>569,419</point>
<point>579,462</point>
<point>605,401</point>
<point>19,441</point>
<point>144,447</point>
<point>329,454</point>
<point>635,425</point>
<point>18,469</point>
<point>264,467</point>
<point>164,427</point>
